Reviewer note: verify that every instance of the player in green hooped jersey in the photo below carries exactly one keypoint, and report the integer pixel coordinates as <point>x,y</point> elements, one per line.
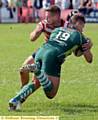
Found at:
<point>50,57</point>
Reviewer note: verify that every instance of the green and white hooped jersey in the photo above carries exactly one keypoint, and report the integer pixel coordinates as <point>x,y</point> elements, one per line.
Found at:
<point>67,40</point>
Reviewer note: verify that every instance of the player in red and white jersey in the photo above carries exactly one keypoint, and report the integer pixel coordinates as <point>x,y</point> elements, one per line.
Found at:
<point>52,20</point>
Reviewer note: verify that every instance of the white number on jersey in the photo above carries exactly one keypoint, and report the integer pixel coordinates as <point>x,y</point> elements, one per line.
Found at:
<point>62,37</point>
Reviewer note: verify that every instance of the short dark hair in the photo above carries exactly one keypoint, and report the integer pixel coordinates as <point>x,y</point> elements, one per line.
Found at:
<point>78,17</point>
<point>53,9</point>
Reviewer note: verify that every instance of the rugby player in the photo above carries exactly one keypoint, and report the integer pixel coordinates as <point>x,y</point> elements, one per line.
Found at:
<point>52,20</point>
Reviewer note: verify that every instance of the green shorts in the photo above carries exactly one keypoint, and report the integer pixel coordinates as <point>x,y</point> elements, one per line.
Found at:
<point>47,55</point>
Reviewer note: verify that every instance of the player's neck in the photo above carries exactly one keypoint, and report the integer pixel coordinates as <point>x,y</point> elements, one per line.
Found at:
<point>57,23</point>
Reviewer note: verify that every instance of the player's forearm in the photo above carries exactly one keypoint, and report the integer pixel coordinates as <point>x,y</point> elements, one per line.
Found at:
<point>90,44</point>
<point>34,35</point>
<point>87,45</point>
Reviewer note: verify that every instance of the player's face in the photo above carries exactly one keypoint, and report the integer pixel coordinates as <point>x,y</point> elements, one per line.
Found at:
<point>80,25</point>
<point>50,18</point>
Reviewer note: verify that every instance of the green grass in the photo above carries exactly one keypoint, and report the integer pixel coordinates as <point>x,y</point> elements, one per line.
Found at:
<point>77,98</point>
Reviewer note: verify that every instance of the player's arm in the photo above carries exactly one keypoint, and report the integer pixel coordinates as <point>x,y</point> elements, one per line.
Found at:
<point>78,52</point>
<point>36,33</point>
<point>87,45</point>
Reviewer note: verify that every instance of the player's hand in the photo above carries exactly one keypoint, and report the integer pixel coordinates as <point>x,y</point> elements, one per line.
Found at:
<point>90,44</point>
<point>87,45</point>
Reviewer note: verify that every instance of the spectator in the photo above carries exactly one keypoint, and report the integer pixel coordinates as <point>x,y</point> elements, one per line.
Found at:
<point>37,6</point>
<point>65,4</point>
<point>19,8</point>
<point>75,4</point>
<point>46,4</point>
<point>96,3</point>
<point>86,6</point>
<point>5,3</point>
<point>24,3</point>
<point>1,3</point>
<point>25,14</point>
<point>52,2</point>
<point>58,3</point>
<point>29,4</point>
<point>9,7</point>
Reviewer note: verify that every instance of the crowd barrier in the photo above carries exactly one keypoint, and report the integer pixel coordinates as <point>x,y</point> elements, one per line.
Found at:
<point>93,17</point>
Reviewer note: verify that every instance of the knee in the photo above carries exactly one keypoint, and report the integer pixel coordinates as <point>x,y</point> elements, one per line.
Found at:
<point>50,96</point>
<point>52,93</point>
<point>22,70</point>
<point>36,82</point>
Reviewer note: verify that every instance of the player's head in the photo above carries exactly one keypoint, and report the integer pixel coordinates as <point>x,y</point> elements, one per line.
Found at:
<point>52,14</point>
<point>68,22</point>
<point>78,22</point>
<point>72,13</point>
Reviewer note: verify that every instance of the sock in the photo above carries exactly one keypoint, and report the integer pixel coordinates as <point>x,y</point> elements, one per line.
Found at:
<point>25,92</point>
<point>44,81</point>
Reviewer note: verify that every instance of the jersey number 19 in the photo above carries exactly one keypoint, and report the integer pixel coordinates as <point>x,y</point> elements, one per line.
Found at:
<point>62,37</point>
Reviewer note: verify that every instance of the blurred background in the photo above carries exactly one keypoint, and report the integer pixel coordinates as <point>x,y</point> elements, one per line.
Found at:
<point>26,11</point>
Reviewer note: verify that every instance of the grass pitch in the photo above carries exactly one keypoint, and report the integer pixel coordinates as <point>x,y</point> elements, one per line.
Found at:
<point>77,98</point>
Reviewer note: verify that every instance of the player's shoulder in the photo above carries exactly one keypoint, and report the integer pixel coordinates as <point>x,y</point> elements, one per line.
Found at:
<point>79,34</point>
<point>76,32</point>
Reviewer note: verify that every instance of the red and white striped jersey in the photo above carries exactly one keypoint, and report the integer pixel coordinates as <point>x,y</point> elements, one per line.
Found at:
<point>47,28</point>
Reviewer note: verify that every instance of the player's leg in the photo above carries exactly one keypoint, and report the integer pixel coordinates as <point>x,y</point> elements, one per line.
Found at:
<point>27,90</point>
<point>55,85</point>
<point>24,75</point>
<point>49,74</point>
<point>50,83</point>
